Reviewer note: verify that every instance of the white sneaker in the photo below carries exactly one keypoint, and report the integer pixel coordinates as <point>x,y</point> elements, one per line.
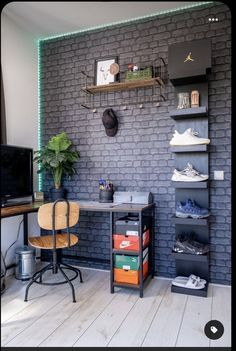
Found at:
<point>189,137</point>
<point>188,174</point>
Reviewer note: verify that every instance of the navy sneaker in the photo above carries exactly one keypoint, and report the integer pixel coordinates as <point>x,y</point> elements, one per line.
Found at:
<point>190,209</point>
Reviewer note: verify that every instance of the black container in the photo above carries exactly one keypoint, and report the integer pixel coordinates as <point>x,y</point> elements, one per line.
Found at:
<point>106,195</point>
<point>56,194</point>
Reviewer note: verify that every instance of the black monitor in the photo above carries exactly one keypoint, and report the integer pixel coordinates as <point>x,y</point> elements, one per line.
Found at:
<point>16,173</point>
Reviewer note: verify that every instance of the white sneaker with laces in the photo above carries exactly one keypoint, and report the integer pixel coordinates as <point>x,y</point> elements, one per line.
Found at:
<point>188,174</point>
<point>189,137</point>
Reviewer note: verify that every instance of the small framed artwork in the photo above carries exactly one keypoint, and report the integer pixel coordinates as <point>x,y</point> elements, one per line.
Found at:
<point>106,71</point>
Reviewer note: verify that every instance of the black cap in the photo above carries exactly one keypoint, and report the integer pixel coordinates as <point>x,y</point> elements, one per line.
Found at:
<point>110,122</point>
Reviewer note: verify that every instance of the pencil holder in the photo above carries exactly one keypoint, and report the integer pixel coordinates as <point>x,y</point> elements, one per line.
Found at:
<point>105,195</point>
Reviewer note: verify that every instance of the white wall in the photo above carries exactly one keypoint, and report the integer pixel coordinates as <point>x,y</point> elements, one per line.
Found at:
<point>19,70</point>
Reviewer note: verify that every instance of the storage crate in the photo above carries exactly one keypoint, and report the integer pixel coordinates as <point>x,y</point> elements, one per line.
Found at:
<point>146,73</point>
<point>129,242</point>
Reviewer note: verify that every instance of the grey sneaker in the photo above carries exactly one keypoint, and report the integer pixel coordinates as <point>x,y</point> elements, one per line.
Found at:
<point>188,174</point>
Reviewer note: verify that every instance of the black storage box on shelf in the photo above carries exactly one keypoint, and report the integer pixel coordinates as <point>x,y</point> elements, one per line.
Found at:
<point>129,225</point>
<point>189,62</point>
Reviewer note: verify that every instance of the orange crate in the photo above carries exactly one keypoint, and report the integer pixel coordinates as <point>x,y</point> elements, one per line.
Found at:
<point>129,276</point>
<point>129,242</point>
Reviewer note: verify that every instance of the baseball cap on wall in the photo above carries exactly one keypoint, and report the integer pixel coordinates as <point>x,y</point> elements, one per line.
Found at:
<point>110,122</point>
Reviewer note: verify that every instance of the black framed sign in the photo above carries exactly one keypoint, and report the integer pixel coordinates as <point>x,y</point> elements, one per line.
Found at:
<point>103,74</point>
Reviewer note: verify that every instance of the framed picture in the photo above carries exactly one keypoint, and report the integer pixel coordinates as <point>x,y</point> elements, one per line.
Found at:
<point>103,75</point>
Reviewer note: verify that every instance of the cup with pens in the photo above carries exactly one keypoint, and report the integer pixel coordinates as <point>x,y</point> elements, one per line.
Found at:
<point>105,191</point>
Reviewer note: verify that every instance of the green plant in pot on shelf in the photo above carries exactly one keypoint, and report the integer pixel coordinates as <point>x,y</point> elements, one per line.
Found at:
<point>57,157</point>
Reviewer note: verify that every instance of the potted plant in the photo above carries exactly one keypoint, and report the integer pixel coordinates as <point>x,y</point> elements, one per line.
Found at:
<point>58,158</point>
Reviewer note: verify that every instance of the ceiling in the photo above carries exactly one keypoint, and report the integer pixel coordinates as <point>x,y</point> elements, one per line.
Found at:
<point>44,19</point>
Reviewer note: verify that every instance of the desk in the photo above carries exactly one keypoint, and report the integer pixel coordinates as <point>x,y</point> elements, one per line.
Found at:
<point>103,207</point>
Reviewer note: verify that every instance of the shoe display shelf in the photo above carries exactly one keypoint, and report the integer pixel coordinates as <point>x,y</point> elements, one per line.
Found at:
<point>198,155</point>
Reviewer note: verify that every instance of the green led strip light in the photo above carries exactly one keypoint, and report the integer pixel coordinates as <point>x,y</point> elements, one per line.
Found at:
<point>40,180</point>
<point>129,21</point>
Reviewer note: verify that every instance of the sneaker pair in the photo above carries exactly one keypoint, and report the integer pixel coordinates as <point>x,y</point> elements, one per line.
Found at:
<point>188,174</point>
<point>189,137</point>
<point>185,244</point>
<point>190,209</point>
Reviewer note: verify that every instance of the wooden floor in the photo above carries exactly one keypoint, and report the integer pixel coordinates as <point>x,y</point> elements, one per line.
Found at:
<point>160,318</point>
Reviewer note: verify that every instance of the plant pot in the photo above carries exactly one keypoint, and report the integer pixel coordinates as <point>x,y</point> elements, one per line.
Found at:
<point>106,195</point>
<point>56,194</point>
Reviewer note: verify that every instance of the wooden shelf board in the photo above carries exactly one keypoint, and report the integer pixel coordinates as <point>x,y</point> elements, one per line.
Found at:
<point>93,89</point>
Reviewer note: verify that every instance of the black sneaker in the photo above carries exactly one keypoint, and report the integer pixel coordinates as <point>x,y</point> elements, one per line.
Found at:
<point>185,245</point>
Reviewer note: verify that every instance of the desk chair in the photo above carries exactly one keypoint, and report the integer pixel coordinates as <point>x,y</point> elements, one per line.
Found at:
<point>56,216</point>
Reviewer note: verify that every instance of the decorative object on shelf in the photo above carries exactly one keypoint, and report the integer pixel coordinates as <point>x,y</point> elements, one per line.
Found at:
<point>105,191</point>
<point>114,68</point>
<point>110,122</point>
<point>138,74</point>
<point>58,158</point>
<point>195,98</point>
<point>183,100</point>
<point>103,74</point>
<point>130,67</point>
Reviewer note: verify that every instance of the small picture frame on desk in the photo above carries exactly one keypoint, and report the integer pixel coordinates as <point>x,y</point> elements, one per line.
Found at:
<point>103,74</point>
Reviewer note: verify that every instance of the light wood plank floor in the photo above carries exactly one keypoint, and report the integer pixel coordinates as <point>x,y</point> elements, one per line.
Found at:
<point>160,318</point>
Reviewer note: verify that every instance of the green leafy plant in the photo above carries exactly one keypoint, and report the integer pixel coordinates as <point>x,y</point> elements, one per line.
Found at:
<point>57,157</point>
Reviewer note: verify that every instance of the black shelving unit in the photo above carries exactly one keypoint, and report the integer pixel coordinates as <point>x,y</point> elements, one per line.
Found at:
<point>147,211</point>
<point>187,76</point>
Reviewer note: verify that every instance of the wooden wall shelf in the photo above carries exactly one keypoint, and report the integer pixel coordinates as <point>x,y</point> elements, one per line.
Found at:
<point>93,89</point>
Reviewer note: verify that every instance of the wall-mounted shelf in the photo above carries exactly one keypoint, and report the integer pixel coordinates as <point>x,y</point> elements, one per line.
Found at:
<point>190,221</point>
<point>126,92</point>
<point>189,112</point>
<point>195,292</point>
<point>191,257</point>
<point>127,85</point>
<point>190,148</point>
<point>192,185</point>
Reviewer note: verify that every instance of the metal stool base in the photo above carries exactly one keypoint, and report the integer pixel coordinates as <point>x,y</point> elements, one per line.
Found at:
<point>55,268</point>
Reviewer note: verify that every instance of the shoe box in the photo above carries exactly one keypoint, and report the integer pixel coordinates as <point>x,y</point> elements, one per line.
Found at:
<point>129,242</point>
<point>127,268</point>
<point>126,233</point>
<point>129,225</point>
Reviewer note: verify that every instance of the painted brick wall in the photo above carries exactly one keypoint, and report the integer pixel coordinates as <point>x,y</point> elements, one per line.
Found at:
<point>139,156</point>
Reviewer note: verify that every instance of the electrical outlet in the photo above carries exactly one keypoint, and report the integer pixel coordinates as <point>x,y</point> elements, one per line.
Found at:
<point>219,175</point>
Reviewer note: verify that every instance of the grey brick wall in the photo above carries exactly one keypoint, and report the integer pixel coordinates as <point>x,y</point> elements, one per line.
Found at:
<point>139,156</point>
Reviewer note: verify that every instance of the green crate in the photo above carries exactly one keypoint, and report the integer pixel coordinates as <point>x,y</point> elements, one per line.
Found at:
<point>139,75</point>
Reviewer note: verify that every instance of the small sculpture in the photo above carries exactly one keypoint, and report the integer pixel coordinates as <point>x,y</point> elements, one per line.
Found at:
<point>183,100</point>
<point>195,98</point>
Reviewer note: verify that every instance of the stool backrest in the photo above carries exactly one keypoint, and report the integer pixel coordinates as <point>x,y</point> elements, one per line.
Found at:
<point>45,215</point>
